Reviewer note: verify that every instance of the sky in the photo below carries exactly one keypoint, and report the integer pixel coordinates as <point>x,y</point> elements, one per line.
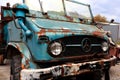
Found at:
<point>108,8</point>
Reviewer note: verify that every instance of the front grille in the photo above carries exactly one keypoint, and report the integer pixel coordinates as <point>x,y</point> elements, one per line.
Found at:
<point>80,45</point>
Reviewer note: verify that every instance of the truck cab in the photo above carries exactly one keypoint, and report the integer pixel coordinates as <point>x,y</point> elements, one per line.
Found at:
<point>54,40</point>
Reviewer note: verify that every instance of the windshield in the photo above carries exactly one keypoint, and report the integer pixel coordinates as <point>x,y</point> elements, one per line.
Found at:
<point>45,5</point>
<point>69,8</point>
<point>78,10</point>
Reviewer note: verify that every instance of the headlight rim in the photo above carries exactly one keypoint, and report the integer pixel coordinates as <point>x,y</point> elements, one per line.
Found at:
<point>102,45</point>
<point>50,52</point>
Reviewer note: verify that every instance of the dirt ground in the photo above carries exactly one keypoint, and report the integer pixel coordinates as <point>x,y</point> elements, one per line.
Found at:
<point>5,70</point>
<point>115,72</point>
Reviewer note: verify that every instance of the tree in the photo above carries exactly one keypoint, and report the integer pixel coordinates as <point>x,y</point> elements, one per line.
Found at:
<point>99,18</point>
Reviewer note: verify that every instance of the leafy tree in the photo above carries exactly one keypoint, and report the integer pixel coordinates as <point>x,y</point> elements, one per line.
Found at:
<point>99,18</point>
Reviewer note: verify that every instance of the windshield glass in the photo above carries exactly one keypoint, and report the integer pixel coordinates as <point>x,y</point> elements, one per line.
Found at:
<point>45,5</point>
<point>52,5</point>
<point>33,5</point>
<point>65,7</point>
<point>77,10</point>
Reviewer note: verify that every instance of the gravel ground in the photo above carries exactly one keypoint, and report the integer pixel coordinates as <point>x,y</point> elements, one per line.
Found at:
<point>4,72</point>
<point>114,72</point>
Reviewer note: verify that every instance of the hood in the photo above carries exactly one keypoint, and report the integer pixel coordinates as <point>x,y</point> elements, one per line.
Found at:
<point>52,24</point>
<point>62,28</point>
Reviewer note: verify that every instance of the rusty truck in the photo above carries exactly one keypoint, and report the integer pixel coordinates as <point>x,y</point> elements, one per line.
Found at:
<point>53,40</point>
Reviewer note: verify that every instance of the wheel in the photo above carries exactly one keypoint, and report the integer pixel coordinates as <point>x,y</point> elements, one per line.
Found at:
<point>15,67</point>
<point>106,75</point>
<point>94,75</point>
<point>97,75</point>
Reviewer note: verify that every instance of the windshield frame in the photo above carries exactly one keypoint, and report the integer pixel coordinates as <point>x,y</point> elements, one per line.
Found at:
<point>64,7</point>
<point>76,2</point>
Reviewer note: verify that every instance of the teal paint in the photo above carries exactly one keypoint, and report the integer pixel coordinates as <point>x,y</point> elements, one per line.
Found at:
<point>56,26</point>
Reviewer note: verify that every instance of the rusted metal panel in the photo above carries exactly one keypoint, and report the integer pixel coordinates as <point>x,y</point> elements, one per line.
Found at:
<point>67,69</point>
<point>6,14</point>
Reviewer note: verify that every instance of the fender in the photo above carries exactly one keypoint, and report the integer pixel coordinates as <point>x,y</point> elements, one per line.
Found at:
<point>27,61</point>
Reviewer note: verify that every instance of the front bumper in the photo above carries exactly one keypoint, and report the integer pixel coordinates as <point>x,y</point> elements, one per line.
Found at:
<point>64,70</point>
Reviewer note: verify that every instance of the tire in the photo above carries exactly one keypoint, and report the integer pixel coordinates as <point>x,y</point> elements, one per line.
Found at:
<point>97,75</point>
<point>15,67</point>
<point>93,75</point>
<point>106,75</point>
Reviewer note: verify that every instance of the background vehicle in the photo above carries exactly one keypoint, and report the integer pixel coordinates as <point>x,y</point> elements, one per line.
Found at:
<point>54,39</point>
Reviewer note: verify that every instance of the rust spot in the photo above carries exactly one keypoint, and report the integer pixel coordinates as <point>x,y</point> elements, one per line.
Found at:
<point>23,66</point>
<point>70,18</point>
<point>65,30</point>
<point>102,64</point>
<point>42,32</point>
<point>69,64</point>
<point>27,62</point>
<point>113,51</point>
<point>17,47</point>
<point>51,30</point>
<point>97,33</point>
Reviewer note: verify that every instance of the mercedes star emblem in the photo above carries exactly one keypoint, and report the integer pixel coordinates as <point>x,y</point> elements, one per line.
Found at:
<point>86,45</point>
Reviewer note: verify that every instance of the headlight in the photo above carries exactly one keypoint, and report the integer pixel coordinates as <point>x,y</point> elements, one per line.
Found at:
<point>55,49</point>
<point>105,46</point>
